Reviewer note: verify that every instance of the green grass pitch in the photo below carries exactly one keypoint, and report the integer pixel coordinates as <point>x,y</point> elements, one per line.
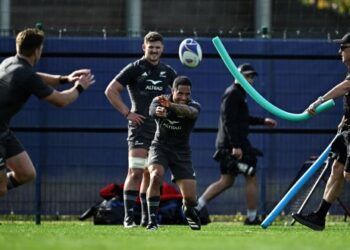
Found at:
<point>85,236</point>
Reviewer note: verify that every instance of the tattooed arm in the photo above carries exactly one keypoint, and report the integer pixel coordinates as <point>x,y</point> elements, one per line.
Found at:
<point>184,110</point>
<point>188,111</point>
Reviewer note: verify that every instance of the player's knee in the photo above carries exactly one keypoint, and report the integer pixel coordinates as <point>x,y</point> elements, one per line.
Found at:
<point>156,177</point>
<point>225,183</point>
<point>135,175</point>
<point>26,176</point>
<point>337,171</point>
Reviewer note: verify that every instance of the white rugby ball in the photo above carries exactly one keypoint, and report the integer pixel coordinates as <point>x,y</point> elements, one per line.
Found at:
<point>190,53</point>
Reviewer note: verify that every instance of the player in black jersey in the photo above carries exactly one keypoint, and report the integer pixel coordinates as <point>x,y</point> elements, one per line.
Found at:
<point>341,148</point>
<point>234,151</point>
<point>18,82</point>
<point>175,117</point>
<point>144,79</point>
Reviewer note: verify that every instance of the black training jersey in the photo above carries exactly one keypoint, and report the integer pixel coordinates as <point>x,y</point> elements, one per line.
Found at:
<point>144,82</point>
<point>18,82</point>
<point>174,130</point>
<point>235,119</point>
<point>346,101</point>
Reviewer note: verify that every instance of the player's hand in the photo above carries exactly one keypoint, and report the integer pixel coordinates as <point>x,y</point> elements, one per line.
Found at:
<point>74,76</point>
<point>85,81</point>
<point>161,112</point>
<point>312,108</point>
<point>164,101</point>
<point>270,122</point>
<point>237,153</point>
<point>136,118</point>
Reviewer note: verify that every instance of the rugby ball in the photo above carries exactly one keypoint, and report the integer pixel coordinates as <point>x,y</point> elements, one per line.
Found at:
<point>190,53</point>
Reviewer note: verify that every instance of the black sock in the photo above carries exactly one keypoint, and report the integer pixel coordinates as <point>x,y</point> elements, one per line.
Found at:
<point>144,206</point>
<point>129,202</point>
<point>153,205</point>
<point>190,208</point>
<point>190,205</point>
<point>12,182</point>
<point>323,209</point>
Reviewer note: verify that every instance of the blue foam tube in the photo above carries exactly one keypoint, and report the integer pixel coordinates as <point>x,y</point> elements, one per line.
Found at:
<point>256,96</point>
<point>297,186</point>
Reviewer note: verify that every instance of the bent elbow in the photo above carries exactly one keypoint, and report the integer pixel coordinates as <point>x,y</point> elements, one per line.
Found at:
<point>109,92</point>
<point>194,115</point>
<point>61,104</point>
<point>59,99</point>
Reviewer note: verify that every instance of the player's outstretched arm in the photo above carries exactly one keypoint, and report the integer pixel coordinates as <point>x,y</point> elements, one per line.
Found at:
<point>184,110</point>
<point>339,90</point>
<point>54,80</point>
<point>66,97</point>
<point>180,109</point>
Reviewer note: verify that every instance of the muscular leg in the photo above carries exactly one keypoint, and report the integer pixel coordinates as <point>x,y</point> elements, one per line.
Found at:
<point>251,197</point>
<point>22,170</point>
<point>137,160</point>
<point>335,183</point>
<point>156,173</point>
<point>153,194</point>
<point>135,172</point>
<point>145,182</point>
<point>189,194</point>
<point>188,191</point>
<point>143,198</point>
<point>251,192</point>
<point>316,220</point>
<point>216,188</point>
<point>333,189</point>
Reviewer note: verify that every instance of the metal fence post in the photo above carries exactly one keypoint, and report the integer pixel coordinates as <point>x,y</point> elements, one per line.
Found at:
<point>38,195</point>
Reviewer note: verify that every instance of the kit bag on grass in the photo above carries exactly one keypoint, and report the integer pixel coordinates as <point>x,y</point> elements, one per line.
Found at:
<point>109,212</point>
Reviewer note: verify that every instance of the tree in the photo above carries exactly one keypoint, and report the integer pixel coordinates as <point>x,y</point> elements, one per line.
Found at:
<point>340,6</point>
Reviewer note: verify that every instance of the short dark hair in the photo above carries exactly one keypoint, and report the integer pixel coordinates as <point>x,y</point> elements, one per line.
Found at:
<point>28,40</point>
<point>153,36</point>
<point>181,80</point>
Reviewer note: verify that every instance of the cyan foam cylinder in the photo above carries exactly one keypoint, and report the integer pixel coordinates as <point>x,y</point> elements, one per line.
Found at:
<point>256,96</point>
<point>293,191</point>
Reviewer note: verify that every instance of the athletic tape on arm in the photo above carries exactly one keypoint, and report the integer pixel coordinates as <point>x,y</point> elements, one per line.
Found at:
<point>297,186</point>
<point>256,96</point>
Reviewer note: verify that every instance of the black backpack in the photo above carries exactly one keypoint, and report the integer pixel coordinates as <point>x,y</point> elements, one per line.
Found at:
<point>109,212</point>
